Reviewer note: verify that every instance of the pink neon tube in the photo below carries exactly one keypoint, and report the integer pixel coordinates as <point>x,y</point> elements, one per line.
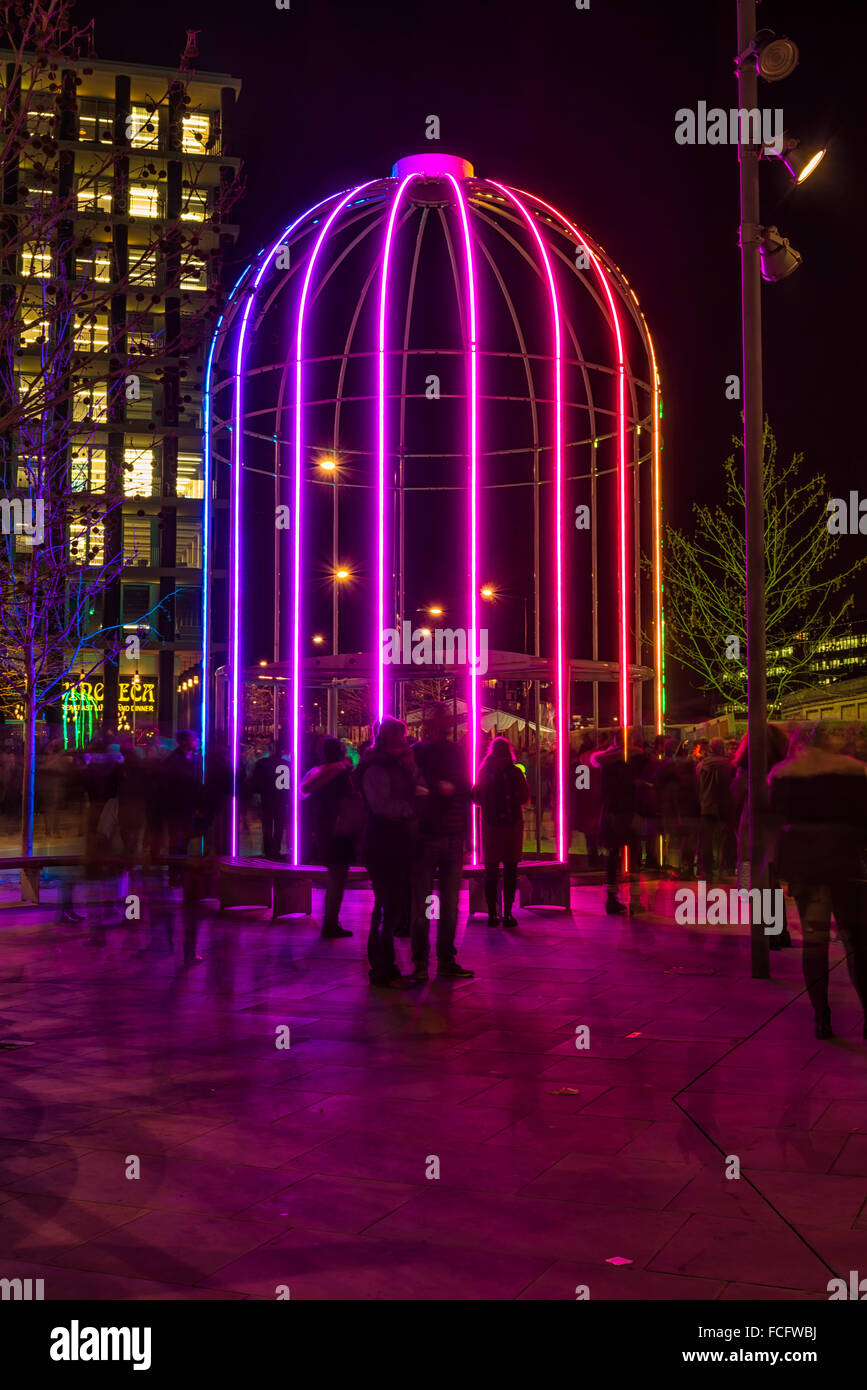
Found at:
<point>623,567</point>
<point>562,730</point>
<point>297,665</point>
<point>235,533</point>
<point>473,394</point>
<point>380,489</point>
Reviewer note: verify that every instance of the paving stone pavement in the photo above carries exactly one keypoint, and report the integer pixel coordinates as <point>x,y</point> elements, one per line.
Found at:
<point>448,1142</point>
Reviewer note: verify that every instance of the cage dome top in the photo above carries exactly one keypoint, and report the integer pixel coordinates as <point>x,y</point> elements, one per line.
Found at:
<point>433,165</point>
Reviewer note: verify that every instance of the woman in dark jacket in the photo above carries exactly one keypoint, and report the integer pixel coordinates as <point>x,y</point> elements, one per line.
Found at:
<point>502,793</point>
<point>337,825</point>
<point>821,800</point>
<point>389,783</point>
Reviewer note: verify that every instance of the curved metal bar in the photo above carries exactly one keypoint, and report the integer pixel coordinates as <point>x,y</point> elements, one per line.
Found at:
<point>470,320</point>
<point>297,670</point>
<point>383,302</point>
<point>562,722</point>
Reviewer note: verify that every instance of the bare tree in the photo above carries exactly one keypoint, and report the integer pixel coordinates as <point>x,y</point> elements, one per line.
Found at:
<point>705,582</point>
<point>63,277</point>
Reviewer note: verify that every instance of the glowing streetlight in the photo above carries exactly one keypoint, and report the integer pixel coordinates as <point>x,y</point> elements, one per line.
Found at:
<point>318,639</point>
<point>342,573</point>
<point>435,611</point>
<point>328,465</point>
<point>488,592</point>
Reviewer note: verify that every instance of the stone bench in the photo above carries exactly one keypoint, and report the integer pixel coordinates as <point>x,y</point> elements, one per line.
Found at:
<point>541,883</point>
<point>285,889</point>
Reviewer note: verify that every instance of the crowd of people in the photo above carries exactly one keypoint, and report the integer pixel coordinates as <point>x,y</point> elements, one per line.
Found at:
<point>403,809</point>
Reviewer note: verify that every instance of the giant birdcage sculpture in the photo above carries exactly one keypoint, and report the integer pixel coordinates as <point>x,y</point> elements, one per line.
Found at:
<point>451,384</point>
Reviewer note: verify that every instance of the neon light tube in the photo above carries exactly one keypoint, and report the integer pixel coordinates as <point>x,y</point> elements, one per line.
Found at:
<point>473,394</point>
<point>297,669</point>
<point>621,471</point>
<point>380,487</point>
<point>562,730</point>
<point>235,524</point>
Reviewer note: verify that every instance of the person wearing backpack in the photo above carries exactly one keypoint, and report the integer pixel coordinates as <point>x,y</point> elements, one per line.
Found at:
<point>502,793</point>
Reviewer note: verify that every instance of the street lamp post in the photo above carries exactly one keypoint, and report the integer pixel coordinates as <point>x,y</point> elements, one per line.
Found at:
<point>751,387</point>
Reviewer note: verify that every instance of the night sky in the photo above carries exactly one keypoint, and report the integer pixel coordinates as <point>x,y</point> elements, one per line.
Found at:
<point>580,107</point>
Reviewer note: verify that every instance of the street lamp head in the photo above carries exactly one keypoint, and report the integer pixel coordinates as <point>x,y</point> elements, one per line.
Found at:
<point>342,573</point>
<point>318,639</point>
<point>328,465</point>
<point>799,166</point>
<point>775,57</point>
<point>435,610</point>
<point>488,591</point>
<point>778,258</point>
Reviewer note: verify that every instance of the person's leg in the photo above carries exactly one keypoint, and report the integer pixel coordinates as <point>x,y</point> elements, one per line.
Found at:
<point>705,849</point>
<point>267,832</point>
<point>395,908</point>
<point>814,909</point>
<point>335,885</point>
<point>510,887</point>
<point>849,901</point>
<point>423,865</point>
<point>378,877</point>
<point>492,882</point>
<point>451,873</point>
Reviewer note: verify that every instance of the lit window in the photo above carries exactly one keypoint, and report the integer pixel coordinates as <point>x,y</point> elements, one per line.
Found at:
<point>87,470</point>
<point>196,133</point>
<point>190,482</point>
<point>145,128</point>
<point>94,197</point>
<point>87,543</point>
<point>188,545</point>
<point>92,333</point>
<point>137,541</point>
<point>91,402</point>
<point>96,266</point>
<point>193,274</point>
<point>36,263</point>
<point>138,472</point>
<point>142,266</point>
<point>144,200</point>
<point>195,206</point>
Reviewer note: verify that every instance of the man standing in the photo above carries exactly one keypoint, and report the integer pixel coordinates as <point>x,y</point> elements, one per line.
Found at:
<point>440,851</point>
<point>388,780</point>
<point>270,780</point>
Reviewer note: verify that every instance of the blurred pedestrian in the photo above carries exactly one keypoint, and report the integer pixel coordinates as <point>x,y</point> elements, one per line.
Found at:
<point>820,796</point>
<point>714,778</point>
<point>336,826</point>
<point>389,784</point>
<point>269,781</point>
<point>443,817</point>
<point>502,793</point>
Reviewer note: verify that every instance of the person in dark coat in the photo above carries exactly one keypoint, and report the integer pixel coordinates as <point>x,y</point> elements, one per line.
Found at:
<point>336,810</point>
<point>618,823</point>
<point>269,780</point>
<point>443,816</point>
<point>820,797</point>
<point>502,793</point>
<point>714,779</point>
<point>389,785</point>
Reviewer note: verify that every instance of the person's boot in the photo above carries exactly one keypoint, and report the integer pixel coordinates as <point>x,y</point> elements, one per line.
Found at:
<point>613,906</point>
<point>331,931</point>
<point>508,916</point>
<point>822,1026</point>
